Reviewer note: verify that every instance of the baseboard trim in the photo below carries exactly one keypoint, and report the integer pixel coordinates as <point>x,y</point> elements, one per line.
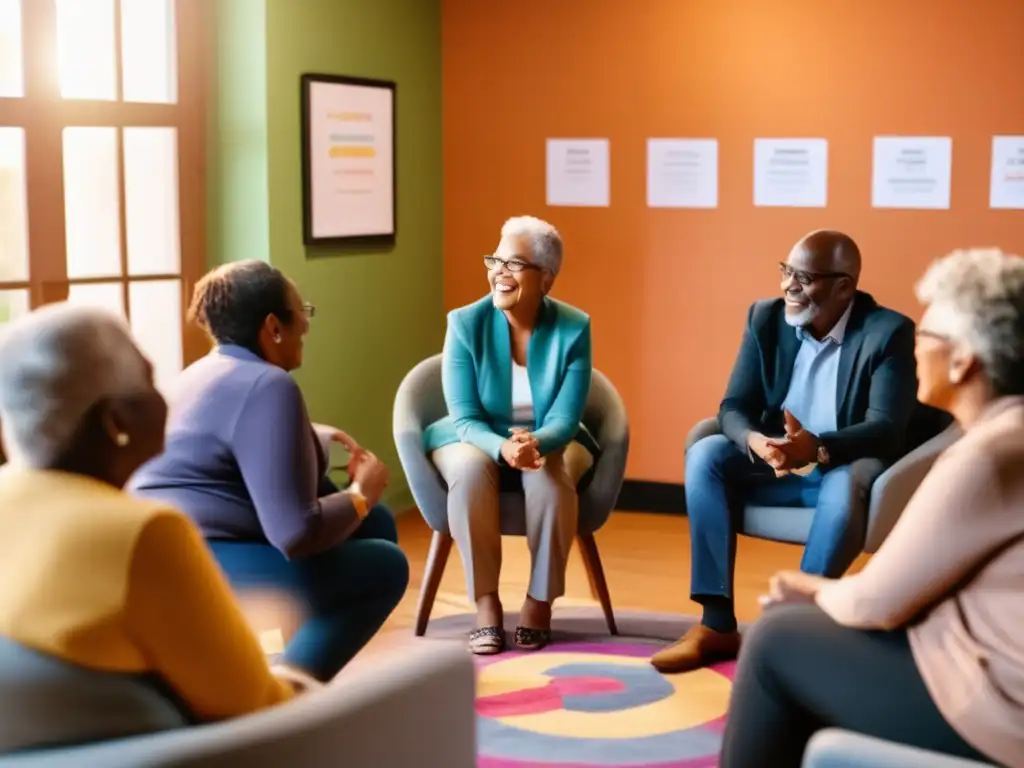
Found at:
<point>652,496</point>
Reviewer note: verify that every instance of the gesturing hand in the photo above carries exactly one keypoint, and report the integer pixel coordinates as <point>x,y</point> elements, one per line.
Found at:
<point>799,446</point>
<point>792,587</point>
<point>355,452</point>
<point>372,476</point>
<point>771,455</point>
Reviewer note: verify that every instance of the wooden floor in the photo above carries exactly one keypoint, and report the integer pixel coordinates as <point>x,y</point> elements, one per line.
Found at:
<point>646,560</point>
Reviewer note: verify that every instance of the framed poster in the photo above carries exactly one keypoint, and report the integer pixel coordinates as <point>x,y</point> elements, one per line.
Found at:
<point>348,160</point>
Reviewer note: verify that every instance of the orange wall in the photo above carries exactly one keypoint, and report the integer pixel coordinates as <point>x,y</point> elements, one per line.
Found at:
<point>668,289</point>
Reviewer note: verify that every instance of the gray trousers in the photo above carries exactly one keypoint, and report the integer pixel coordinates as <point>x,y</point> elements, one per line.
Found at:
<point>552,509</point>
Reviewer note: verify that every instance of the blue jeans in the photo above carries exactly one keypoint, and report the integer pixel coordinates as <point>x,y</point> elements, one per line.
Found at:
<point>344,594</point>
<point>721,479</point>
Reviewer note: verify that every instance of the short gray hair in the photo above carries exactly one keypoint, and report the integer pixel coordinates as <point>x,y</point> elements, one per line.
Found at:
<point>976,297</point>
<point>545,242</point>
<point>56,363</point>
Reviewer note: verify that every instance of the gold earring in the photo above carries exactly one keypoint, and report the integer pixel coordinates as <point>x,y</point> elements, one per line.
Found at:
<point>122,439</point>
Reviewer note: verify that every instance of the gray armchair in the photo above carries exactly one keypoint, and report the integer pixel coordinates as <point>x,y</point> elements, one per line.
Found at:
<point>425,694</point>
<point>834,748</point>
<point>420,401</point>
<point>889,494</point>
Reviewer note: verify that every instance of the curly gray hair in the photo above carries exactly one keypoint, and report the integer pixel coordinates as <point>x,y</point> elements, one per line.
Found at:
<point>545,241</point>
<point>976,298</point>
<point>56,363</point>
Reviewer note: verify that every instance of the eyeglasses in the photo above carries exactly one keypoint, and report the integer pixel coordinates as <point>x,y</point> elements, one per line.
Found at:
<point>308,309</point>
<point>923,333</point>
<point>804,277</point>
<point>512,265</point>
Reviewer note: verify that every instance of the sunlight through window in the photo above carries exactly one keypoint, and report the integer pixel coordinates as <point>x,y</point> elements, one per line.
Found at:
<point>92,201</point>
<point>157,326</point>
<point>109,296</point>
<point>13,206</point>
<point>13,304</point>
<point>151,200</point>
<point>12,79</point>
<point>86,63</point>
<point>148,49</point>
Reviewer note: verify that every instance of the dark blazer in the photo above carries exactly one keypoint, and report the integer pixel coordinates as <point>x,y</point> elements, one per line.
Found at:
<point>877,381</point>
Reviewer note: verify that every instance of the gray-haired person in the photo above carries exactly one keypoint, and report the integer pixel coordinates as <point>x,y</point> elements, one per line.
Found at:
<point>114,618</point>
<point>516,376</point>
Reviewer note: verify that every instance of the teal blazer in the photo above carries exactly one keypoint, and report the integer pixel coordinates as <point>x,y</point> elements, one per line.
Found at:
<point>476,374</point>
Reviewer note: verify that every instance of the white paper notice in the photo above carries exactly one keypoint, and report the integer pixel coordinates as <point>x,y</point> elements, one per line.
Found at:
<point>791,173</point>
<point>578,172</point>
<point>912,172</point>
<point>1007,172</point>
<point>682,173</point>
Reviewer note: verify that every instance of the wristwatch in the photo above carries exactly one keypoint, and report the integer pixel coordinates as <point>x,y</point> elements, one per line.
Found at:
<point>822,454</point>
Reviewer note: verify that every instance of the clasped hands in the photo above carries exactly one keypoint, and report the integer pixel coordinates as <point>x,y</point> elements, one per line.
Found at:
<point>522,450</point>
<point>786,454</point>
<point>363,468</point>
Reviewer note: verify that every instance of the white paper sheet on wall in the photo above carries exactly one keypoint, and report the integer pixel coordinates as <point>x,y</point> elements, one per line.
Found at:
<point>791,173</point>
<point>1007,172</point>
<point>912,172</point>
<point>682,173</point>
<point>578,172</point>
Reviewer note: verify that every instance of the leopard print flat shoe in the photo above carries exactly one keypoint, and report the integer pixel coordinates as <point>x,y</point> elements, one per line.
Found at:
<point>528,639</point>
<point>487,641</point>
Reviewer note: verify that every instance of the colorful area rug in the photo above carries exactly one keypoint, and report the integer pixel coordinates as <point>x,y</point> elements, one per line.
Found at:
<point>591,700</point>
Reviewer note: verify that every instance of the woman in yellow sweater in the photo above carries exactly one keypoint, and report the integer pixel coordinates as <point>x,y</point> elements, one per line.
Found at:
<point>114,619</point>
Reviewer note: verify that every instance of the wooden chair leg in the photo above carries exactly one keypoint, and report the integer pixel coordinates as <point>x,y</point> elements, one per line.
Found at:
<point>595,573</point>
<point>437,558</point>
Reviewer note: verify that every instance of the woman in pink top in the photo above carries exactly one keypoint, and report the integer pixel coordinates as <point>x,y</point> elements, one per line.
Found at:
<point>925,646</point>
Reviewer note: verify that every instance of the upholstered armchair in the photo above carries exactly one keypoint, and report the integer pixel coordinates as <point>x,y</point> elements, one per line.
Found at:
<point>420,401</point>
<point>425,693</point>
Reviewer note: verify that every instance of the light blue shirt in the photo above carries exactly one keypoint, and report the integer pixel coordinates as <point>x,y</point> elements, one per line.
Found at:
<point>813,388</point>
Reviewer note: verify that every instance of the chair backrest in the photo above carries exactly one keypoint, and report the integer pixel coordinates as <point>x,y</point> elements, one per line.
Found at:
<point>925,423</point>
<point>421,397</point>
<point>49,701</point>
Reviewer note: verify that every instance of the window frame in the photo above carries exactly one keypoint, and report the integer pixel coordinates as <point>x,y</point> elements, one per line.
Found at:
<point>43,114</point>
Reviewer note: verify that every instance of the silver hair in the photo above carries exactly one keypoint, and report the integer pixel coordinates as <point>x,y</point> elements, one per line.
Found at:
<point>545,242</point>
<point>56,363</point>
<point>976,298</point>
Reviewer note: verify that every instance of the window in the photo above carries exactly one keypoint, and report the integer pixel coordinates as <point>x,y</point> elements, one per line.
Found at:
<point>101,156</point>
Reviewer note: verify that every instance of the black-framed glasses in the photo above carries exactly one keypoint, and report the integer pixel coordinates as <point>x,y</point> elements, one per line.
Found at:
<point>512,265</point>
<point>308,309</point>
<point>804,277</point>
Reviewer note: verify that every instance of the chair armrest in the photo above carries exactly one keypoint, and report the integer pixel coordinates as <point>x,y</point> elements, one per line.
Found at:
<point>833,748</point>
<point>703,428</point>
<point>891,492</point>
<point>419,703</point>
<point>607,411</point>
<point>427,487</point>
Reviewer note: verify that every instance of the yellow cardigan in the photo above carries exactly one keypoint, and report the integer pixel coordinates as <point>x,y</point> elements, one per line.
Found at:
<point>98,578</point>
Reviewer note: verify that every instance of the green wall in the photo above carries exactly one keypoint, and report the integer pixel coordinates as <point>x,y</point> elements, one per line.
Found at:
<point>378,313</point>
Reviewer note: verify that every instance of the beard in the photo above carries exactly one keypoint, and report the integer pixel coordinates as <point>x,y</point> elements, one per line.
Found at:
<point>803,318</point>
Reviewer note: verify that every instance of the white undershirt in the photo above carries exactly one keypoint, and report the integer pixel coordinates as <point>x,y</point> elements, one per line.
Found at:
<point>522,397</point>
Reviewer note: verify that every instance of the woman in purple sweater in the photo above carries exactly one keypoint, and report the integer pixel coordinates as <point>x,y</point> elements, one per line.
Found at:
<point>244,461</point>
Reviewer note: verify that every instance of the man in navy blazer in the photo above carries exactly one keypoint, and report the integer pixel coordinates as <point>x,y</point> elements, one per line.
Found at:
<point>818,404</point>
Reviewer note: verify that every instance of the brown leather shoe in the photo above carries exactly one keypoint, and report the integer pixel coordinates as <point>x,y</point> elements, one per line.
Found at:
<point>698,648</point>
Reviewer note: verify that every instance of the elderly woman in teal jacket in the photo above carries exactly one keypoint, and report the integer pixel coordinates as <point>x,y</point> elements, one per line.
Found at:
<point>516,376</point>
